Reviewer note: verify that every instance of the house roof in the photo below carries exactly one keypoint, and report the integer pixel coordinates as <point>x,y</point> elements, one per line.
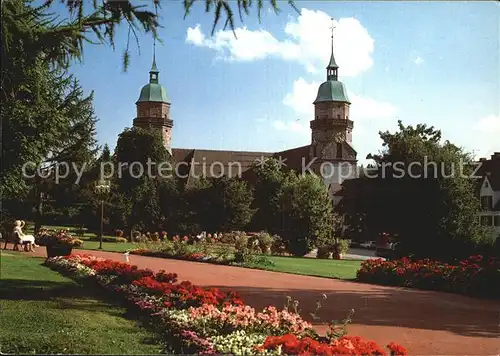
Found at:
<point>491,169</point>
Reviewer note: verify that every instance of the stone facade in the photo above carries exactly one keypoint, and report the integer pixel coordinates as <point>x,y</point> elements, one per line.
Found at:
<point>155,115</point>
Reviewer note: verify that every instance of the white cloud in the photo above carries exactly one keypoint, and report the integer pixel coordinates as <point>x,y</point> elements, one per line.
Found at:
<point>368,108</point>
<point>302,96</point>
<point>370,116</point>
<point>418,61</point>
<point>195,36</point>
<point>488,124</point>
<point>303,93</point>
<point>484,140</point>
<point>307,41</point>
<point>291,126</point>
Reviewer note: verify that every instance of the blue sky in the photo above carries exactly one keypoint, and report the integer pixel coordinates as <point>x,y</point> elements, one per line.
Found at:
<point>431,62</point>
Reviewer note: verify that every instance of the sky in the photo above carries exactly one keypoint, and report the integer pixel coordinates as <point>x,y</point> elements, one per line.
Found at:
<point>420,62</point>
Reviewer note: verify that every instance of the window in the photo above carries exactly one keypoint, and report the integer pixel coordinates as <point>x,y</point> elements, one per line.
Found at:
<point>497,220</point>
<point>486,220</point>
<point>486,185</point>
<point>486,202</point>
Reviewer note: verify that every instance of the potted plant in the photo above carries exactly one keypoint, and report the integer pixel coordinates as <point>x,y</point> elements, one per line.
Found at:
<point>340,247</point>
<point>58,243</point>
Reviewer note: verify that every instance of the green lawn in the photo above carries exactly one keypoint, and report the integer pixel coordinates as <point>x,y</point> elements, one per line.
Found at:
<point>108,246</point>
<point>342,269</point>
<point>46,313</point>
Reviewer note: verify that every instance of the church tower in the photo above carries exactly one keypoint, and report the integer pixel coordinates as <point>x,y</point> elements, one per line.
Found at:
<point>331,109</point>
<point>153,108</point>
<point>331,131</point>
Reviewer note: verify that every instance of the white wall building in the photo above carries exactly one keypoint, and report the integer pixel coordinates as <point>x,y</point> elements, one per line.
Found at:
<point>489,192</point>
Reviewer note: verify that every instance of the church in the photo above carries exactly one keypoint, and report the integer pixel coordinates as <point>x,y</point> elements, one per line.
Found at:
<point>330,153</point>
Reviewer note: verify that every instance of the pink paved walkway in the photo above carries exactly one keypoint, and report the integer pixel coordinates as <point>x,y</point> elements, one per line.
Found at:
<point>427,323</point>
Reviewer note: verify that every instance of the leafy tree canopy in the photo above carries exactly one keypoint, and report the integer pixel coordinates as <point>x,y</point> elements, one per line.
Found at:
<point>423,194</point>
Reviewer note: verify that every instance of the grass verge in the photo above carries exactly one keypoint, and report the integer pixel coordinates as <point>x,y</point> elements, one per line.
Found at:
<point>46,313</point>
<point>341,269</point>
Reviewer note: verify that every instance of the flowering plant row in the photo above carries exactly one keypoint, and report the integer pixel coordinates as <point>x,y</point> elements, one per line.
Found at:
<point>209,321</point>
<point>188,256</point>
<point>473,276</point>
<point>53,238</point>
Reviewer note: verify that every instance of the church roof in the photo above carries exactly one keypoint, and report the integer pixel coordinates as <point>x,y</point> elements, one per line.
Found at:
<point>194,163</point>
<point>332,63</point>
<point>197,163</point>
<point>332,90</point>
<point>153,92</point>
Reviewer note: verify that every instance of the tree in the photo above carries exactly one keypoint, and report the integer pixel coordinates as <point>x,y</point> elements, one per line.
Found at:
<point>224,204</point>
<point>141,169</point>
<point>297,207</point>
<point>268,192</point>
<point>309,220</point>
<point>424,195</point>
<point>38,45</point>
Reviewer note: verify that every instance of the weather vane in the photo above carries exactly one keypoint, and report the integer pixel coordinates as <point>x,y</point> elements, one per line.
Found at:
<point>333,25</point>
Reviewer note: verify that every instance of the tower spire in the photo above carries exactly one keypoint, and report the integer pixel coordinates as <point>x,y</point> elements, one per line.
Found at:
<point>332,68</point>
<point>153,73</point>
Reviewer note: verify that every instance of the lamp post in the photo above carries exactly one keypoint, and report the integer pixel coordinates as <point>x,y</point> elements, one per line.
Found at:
<point>102,190</point>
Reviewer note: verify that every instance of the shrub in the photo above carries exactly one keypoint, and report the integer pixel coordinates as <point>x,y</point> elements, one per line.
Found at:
<point>265,241</point>
<point>324,252</point>
<point>240,241</point>
<point>278,247</point>
<point>341,246</point>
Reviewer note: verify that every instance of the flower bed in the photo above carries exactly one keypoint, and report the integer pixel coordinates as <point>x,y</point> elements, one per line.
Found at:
<point>474,276</point>
<point>53,238</point>
<point>190,256</point>
<point>208,321</point>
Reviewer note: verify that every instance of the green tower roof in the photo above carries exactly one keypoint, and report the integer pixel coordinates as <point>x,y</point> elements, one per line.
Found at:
<point>153,91</point>
<point>332,90</point>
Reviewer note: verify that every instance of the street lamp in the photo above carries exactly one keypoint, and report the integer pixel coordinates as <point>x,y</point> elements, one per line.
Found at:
<point>102,190</point>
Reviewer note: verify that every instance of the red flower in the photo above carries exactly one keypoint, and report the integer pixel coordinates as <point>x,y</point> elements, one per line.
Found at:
<point>396,350</point>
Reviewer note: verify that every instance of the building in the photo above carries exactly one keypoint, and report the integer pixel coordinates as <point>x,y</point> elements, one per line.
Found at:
<point>330,152</point>
<point>489,192</point>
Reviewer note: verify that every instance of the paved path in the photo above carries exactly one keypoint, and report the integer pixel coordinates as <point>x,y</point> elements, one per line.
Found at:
<point>427,323</point>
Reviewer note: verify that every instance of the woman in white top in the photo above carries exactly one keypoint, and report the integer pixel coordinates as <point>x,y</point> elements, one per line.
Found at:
<point>29,239</point>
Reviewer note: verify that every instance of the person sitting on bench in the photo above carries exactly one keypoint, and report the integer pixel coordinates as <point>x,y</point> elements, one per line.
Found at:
<point>27,240</point>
